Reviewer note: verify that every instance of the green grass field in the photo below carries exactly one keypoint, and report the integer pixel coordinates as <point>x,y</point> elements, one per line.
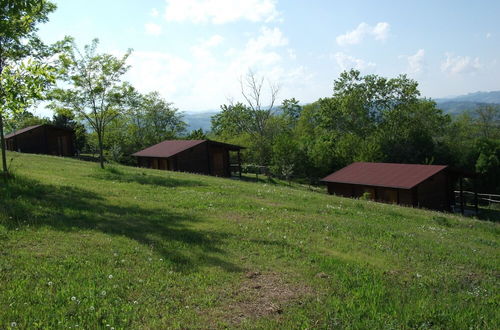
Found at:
<point>126,247</point>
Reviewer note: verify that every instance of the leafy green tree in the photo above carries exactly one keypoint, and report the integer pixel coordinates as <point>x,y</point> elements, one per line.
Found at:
<point>252,120</point>
<point>66,119</point>
<point>197,134</point>
<point>23,119</point>
<point>162,120</point>
<point>94,91</point>
<point>145,120</point>
<point>23,75</point>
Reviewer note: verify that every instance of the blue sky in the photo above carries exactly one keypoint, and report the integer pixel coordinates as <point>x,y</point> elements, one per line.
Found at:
<point>194,51</point>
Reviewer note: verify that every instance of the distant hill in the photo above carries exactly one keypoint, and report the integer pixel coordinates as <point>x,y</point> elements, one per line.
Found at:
<point>199,120</point>
<point>468,102</point>
<point>478,97</point>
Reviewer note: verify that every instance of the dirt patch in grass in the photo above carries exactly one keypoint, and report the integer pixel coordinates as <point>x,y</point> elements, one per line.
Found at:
<point>263,295</point>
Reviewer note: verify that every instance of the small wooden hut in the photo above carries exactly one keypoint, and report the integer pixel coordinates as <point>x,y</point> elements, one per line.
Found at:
<point>195,156</point>
<point>42,139</point>
<point>427,186</point>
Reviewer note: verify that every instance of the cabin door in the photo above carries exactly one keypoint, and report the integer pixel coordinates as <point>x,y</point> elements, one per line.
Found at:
<point>218,163</point>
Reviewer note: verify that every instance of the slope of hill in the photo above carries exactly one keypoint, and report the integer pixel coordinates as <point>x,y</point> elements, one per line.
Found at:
<point>477,97</point>
<point>197,120</point>
<point>135,248</point>
<point>468,102</point>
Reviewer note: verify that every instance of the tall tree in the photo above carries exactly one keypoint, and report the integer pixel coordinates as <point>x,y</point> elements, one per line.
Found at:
<point>162,120</point>
<point>252,118</point>
<point>22,76</point>
<point>94,91</point>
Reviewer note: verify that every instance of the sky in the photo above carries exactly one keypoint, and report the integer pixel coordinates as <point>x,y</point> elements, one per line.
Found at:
<point>194,52</point>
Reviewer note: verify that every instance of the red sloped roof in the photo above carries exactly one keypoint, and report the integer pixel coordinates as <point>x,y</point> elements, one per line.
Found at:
<point>168,148</point>
<point>21,131</point>
<point>405,176</point>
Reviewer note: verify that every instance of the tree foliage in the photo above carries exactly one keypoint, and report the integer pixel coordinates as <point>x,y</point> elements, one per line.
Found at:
<point>24,71</point>
<point>94,91</point>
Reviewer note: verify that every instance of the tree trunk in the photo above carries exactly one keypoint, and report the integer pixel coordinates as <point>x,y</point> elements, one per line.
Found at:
<point>101,155</point>
<point>2,143</point>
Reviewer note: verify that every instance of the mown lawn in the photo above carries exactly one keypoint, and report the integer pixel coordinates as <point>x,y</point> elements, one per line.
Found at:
<point>125,247</point>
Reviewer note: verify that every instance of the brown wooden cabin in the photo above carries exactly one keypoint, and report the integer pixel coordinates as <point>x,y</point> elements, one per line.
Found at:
<point>194,156</point>
<point>42,139</point>
<point>427,186</point>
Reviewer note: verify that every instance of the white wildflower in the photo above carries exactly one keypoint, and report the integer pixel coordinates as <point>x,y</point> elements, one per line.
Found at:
<point>73,298</point>
<point>110,276</point>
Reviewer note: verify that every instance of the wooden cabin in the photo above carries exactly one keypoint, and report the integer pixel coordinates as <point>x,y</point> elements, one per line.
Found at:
<point>42,139</point>
<point>427,186</point>
<point>194,156</point>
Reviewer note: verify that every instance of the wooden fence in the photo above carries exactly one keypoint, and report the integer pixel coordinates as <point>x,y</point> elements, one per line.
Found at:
<point>489,199</point>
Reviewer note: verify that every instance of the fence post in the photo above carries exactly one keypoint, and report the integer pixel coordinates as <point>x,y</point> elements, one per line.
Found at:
<point>461,197</point>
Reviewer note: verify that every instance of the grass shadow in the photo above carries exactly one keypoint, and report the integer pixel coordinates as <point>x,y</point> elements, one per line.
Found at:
<point>116,175</point>
<point>492,215</point>
<point>26,202</point>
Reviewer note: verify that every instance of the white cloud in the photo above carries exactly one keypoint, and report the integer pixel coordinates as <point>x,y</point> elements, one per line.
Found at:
<point>202,51</point>
<point>416,62</point>
<point>347,62</point>
<point>221,11</point>
<point>210,75</point>
<point>292,54</point>
<point>152,29</point>
<point>379,32</point>
<point>154,12</point>
<point>488,35</point>
<point>158,71</point>
<point>460,64</point>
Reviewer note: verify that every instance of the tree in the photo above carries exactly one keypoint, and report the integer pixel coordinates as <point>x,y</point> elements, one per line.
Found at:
<point>23,119</point>
<point>95,88</point>
<point>197,134</point>
<point>162,120</point>
<point>23,77</point>
<point>66,119</point>
<point>144,120</point>
<point>252,120</point>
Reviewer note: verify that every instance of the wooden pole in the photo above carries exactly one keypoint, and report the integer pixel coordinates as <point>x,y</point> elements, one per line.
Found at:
<point>3,147</point>
<point>476,208</point>
<point>239,162</point>
<point>461,196</point>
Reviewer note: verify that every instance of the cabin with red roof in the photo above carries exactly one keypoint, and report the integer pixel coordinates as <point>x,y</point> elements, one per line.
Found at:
<point>42,139</point>
<point>194,156</point>
<point>427,186</point>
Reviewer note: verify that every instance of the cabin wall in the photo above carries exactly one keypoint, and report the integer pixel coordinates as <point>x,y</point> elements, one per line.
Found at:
<point>433,193</point>
<point>32,142</point>
<point>44,140</point>
<point>219,161</point>
<point>193,160</point>
<point>379,194</point>
<point>60,142</point>
<point>205,158</point>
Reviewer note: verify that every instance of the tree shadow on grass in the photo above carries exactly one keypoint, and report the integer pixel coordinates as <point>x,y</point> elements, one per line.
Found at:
<point>116,175</point>
<point>28,202</point>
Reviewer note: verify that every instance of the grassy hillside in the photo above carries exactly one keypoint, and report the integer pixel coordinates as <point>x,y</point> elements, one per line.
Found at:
<point>124,247</point>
